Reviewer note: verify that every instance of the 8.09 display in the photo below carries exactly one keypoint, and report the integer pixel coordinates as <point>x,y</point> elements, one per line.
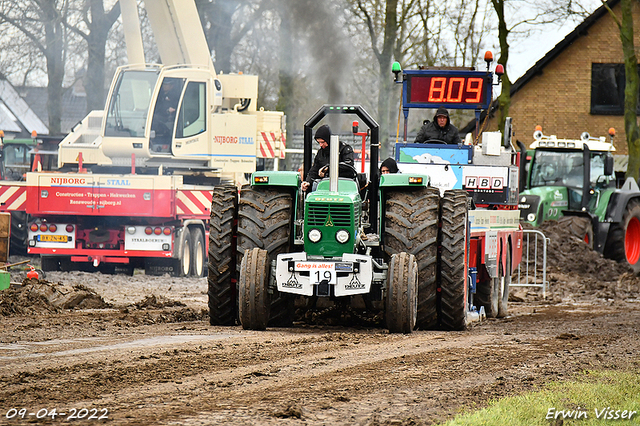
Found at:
<point>453,89</point>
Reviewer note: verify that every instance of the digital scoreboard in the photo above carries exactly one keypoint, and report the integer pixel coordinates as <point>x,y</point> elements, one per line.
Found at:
<point>451,89</point>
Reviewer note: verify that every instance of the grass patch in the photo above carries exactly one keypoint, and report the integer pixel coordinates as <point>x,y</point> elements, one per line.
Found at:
<point>608,392</point>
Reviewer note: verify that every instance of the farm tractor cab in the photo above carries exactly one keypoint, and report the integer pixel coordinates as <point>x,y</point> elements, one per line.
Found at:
<point>409,247</point>
<point>572,181</point>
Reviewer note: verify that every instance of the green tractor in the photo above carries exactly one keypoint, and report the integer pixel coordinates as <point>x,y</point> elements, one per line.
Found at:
<point>367,245</point>
<point>573,182</point>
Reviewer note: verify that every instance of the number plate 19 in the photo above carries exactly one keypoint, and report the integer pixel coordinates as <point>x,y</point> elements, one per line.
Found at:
<point>322,272</point>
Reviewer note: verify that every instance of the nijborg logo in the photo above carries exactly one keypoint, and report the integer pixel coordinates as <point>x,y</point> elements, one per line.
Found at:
<point>68,181</point>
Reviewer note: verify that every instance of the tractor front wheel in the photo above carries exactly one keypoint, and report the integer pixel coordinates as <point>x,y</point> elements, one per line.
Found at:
<point>255,301</point>
<point>402,289</point>
<point>579,226</point>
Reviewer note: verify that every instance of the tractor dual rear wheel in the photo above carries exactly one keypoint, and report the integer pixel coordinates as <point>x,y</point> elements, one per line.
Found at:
<point>411,226</point>
<point>454,241</point>
<point>222,255</point>
<point>402,289</point>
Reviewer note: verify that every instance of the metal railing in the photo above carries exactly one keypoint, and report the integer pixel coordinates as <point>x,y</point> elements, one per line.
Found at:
<point>531,271</point>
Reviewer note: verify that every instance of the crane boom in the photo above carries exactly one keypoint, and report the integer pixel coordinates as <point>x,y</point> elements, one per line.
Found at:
<point>179,35</point>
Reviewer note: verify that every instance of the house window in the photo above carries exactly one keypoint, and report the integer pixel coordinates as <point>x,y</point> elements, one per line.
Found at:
<point>607,89</point>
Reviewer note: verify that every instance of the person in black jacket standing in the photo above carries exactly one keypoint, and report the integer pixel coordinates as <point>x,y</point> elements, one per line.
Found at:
<point>320,166</point>
<point>440,128</point>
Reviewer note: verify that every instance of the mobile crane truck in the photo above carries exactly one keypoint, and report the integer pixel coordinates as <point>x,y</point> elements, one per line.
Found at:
<point>410,247</point>
<point>136,179</point>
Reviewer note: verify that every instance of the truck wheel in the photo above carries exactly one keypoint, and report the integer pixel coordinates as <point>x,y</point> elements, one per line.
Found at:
<point>504,281</point>
<point>411,225</point>
<point>623,242</point>
<point>222,256</point>
<point>19,232</point>
<point>487,296</point>
<point>579,226</point>
<point>265,218</point>
<point>402,298</point>
<point>198,263</point>
<point>182,265</point>
<point>49,263</point>
<point>255,303</point>
<point>452,265</point>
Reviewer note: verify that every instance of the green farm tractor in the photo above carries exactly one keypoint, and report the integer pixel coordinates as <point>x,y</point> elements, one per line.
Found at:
<point>366,243</point>
<point>573,182</point>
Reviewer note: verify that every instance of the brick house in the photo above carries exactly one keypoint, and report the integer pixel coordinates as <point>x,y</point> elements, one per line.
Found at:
<point>577,86</point>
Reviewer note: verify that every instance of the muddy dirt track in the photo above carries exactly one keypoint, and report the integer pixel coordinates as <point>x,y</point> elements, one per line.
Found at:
<point>140,351</point>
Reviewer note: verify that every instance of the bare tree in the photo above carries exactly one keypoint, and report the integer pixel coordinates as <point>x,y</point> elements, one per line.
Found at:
<point>526,14</point>
<point>632,84</point>
<point>41,21</point>
<point>381,19</point>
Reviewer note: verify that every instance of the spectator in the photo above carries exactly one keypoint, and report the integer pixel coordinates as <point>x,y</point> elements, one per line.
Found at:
<point>389,166</point>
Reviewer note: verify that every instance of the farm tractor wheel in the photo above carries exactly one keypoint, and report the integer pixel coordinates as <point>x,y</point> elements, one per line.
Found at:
<point>255,301</point>
<point>454,240</point>
<point>402,298</point>
<point>265,222</point>
<point>222,267</point>
<point>411,226</point>
<point>623,243</point>
<point>579,226</point>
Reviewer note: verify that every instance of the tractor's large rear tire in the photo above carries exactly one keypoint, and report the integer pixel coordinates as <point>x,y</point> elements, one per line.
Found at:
<point>623,242</point>
<point>579,226</point>
<point>411,226</point>
<point>255,301</point>
<point>503,284</point>
<point>222,256</point>
<point>402,289</point>
<point>454,240</point>
<point>265,221</point>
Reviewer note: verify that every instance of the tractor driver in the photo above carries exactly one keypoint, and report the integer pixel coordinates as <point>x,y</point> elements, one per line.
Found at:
<point>320,167</point>
<point>440,128</point>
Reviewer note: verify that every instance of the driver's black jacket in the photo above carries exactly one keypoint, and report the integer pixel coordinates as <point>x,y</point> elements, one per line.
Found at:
<point>322,159</point>
<point>431,130</point>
